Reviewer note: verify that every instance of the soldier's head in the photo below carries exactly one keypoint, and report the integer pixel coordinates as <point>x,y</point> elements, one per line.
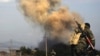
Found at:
<point>87,25</point>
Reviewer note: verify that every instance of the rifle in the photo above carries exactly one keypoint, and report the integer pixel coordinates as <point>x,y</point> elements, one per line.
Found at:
<point>85,35</point>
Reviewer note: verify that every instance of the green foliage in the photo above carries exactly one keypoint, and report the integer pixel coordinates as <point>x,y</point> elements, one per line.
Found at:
<point>26,51</point>
<point>98,52</point>
<point>60,49</point>
<point>39,52</point>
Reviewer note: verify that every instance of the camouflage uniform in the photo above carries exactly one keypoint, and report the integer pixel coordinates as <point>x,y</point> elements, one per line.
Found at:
<point>82,45</point>
<point>90,35</point>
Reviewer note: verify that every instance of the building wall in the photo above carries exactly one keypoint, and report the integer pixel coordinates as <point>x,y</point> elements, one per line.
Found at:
<point>3,53</point>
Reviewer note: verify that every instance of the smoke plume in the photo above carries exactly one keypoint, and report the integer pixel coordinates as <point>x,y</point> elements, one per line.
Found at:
<point>58,22</point>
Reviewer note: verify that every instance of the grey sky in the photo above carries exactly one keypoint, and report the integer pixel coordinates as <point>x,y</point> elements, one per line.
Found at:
<point>13,25</point>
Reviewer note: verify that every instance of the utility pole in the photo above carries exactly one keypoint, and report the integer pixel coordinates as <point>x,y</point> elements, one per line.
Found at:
<point>46,45</point>
<point>20,53</point>
<point>10,47</point>
<point>72,50</point>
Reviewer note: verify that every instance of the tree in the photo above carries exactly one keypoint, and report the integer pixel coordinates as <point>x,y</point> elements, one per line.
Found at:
<point>62,49</point>
<point>26,51</point>
<point>39,52</point>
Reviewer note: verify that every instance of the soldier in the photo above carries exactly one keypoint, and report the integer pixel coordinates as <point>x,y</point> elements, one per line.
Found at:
<point>81,47</point>
<point>53,53</point>
<point>89,33</point>
<point>90,36</point>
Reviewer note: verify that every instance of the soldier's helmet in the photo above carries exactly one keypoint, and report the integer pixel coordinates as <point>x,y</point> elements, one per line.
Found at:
<point>87,24</point>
